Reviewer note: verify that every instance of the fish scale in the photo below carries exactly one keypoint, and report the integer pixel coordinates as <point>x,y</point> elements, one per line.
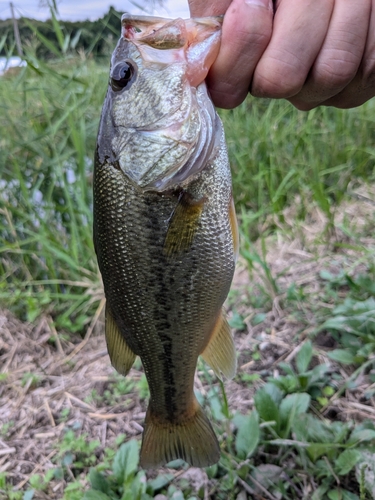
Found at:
<point>167,258</point>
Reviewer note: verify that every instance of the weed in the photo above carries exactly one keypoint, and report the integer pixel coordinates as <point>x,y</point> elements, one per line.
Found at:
<point>315,381</point>
<point>31,380</point>
<point>6,429</point>
<point>76,451</point>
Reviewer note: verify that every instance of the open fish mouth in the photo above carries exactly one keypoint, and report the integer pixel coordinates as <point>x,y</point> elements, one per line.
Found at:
<point>169,40</point>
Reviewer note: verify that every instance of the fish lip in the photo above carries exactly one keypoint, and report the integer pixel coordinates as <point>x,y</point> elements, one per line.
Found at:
<point>183,29</point>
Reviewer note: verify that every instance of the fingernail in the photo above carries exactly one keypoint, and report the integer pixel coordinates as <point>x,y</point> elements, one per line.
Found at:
<point>267,4</point>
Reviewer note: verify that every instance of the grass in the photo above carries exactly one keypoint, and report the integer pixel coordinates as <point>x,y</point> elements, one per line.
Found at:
<point>48,137</point>
<point>280,155</point>
<point>285,448</point>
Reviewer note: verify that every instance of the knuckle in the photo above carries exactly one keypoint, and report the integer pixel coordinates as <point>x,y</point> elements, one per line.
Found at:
<point>335,73</point>
<point>280,74</point>
<point>279,81</point>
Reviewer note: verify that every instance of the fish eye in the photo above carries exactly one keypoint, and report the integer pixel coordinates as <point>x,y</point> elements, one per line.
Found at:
<point>122,75</point>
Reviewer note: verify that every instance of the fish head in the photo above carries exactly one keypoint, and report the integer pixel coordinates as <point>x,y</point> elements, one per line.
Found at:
<point>158,125</point>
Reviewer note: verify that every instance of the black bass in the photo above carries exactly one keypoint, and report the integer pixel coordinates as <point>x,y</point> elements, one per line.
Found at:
<point>165,228</point>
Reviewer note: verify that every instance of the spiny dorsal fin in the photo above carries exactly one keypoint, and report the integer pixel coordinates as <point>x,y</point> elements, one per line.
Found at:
<point>193,440</point>
<point>183,224</point>
<point>121,356</point>
<point>220,352</point>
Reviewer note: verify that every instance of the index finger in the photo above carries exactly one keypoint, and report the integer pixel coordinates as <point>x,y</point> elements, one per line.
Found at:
<point>247,29</point>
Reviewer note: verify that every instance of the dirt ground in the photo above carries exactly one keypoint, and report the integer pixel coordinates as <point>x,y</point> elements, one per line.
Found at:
<point>47,380</point>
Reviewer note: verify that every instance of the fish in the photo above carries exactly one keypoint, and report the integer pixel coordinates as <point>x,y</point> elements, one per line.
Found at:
<point>165,228</point>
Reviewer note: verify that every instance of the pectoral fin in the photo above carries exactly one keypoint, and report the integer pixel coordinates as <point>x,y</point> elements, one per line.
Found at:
<point>183,225</point>
<point>121,356</point>
<point>220,352</point>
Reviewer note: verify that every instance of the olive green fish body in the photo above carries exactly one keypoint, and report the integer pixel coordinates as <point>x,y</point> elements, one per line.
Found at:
<point>166,249</point>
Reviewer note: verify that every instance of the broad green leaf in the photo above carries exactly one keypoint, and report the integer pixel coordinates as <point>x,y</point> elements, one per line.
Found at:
<point>304,356</point>
<point>98,481</point>
<point>275,393</point>
<point>95,495</point>
<point>248,434</point>
<point>216,404</point>
<point>320,492</point>
<point>267,408</point>
<point>360,435</point>
<point>126,460</point>
<point>137,487</point>
<point>28,495</point>
<point>341,494</point>
<point>334,495</point>
<point>342,356</point>
<point>346,461</point>
<point>237,322</point>
<point>129,494</point>
<point>290,407</point>
<point>287,368</point>
<point>316,450</point>
<point>258,318</point>
<point>176,464</point>
<point>177,495</point>
<point>160,482</point>
<point>336,323</point>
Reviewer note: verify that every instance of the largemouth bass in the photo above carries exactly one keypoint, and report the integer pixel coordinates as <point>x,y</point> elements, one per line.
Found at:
<point>165,229</point>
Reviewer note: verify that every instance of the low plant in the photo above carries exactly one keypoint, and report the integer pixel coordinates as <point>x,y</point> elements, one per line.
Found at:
<point>314,381</point>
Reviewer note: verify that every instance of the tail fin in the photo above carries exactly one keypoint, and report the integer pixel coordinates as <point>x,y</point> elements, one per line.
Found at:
<point>192,440</point>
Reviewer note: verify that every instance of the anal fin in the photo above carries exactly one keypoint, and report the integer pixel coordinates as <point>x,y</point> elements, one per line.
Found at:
<point>192,440</point>
<point>121,356</point>
<point>220,352</point>
<point>183,224</point>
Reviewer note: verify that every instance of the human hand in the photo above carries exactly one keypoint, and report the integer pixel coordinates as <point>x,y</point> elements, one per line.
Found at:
<point>315,52</point>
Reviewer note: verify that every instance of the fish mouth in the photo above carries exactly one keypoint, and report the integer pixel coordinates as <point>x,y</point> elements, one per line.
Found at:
<point>195,40</point>
<point>164,33</point>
